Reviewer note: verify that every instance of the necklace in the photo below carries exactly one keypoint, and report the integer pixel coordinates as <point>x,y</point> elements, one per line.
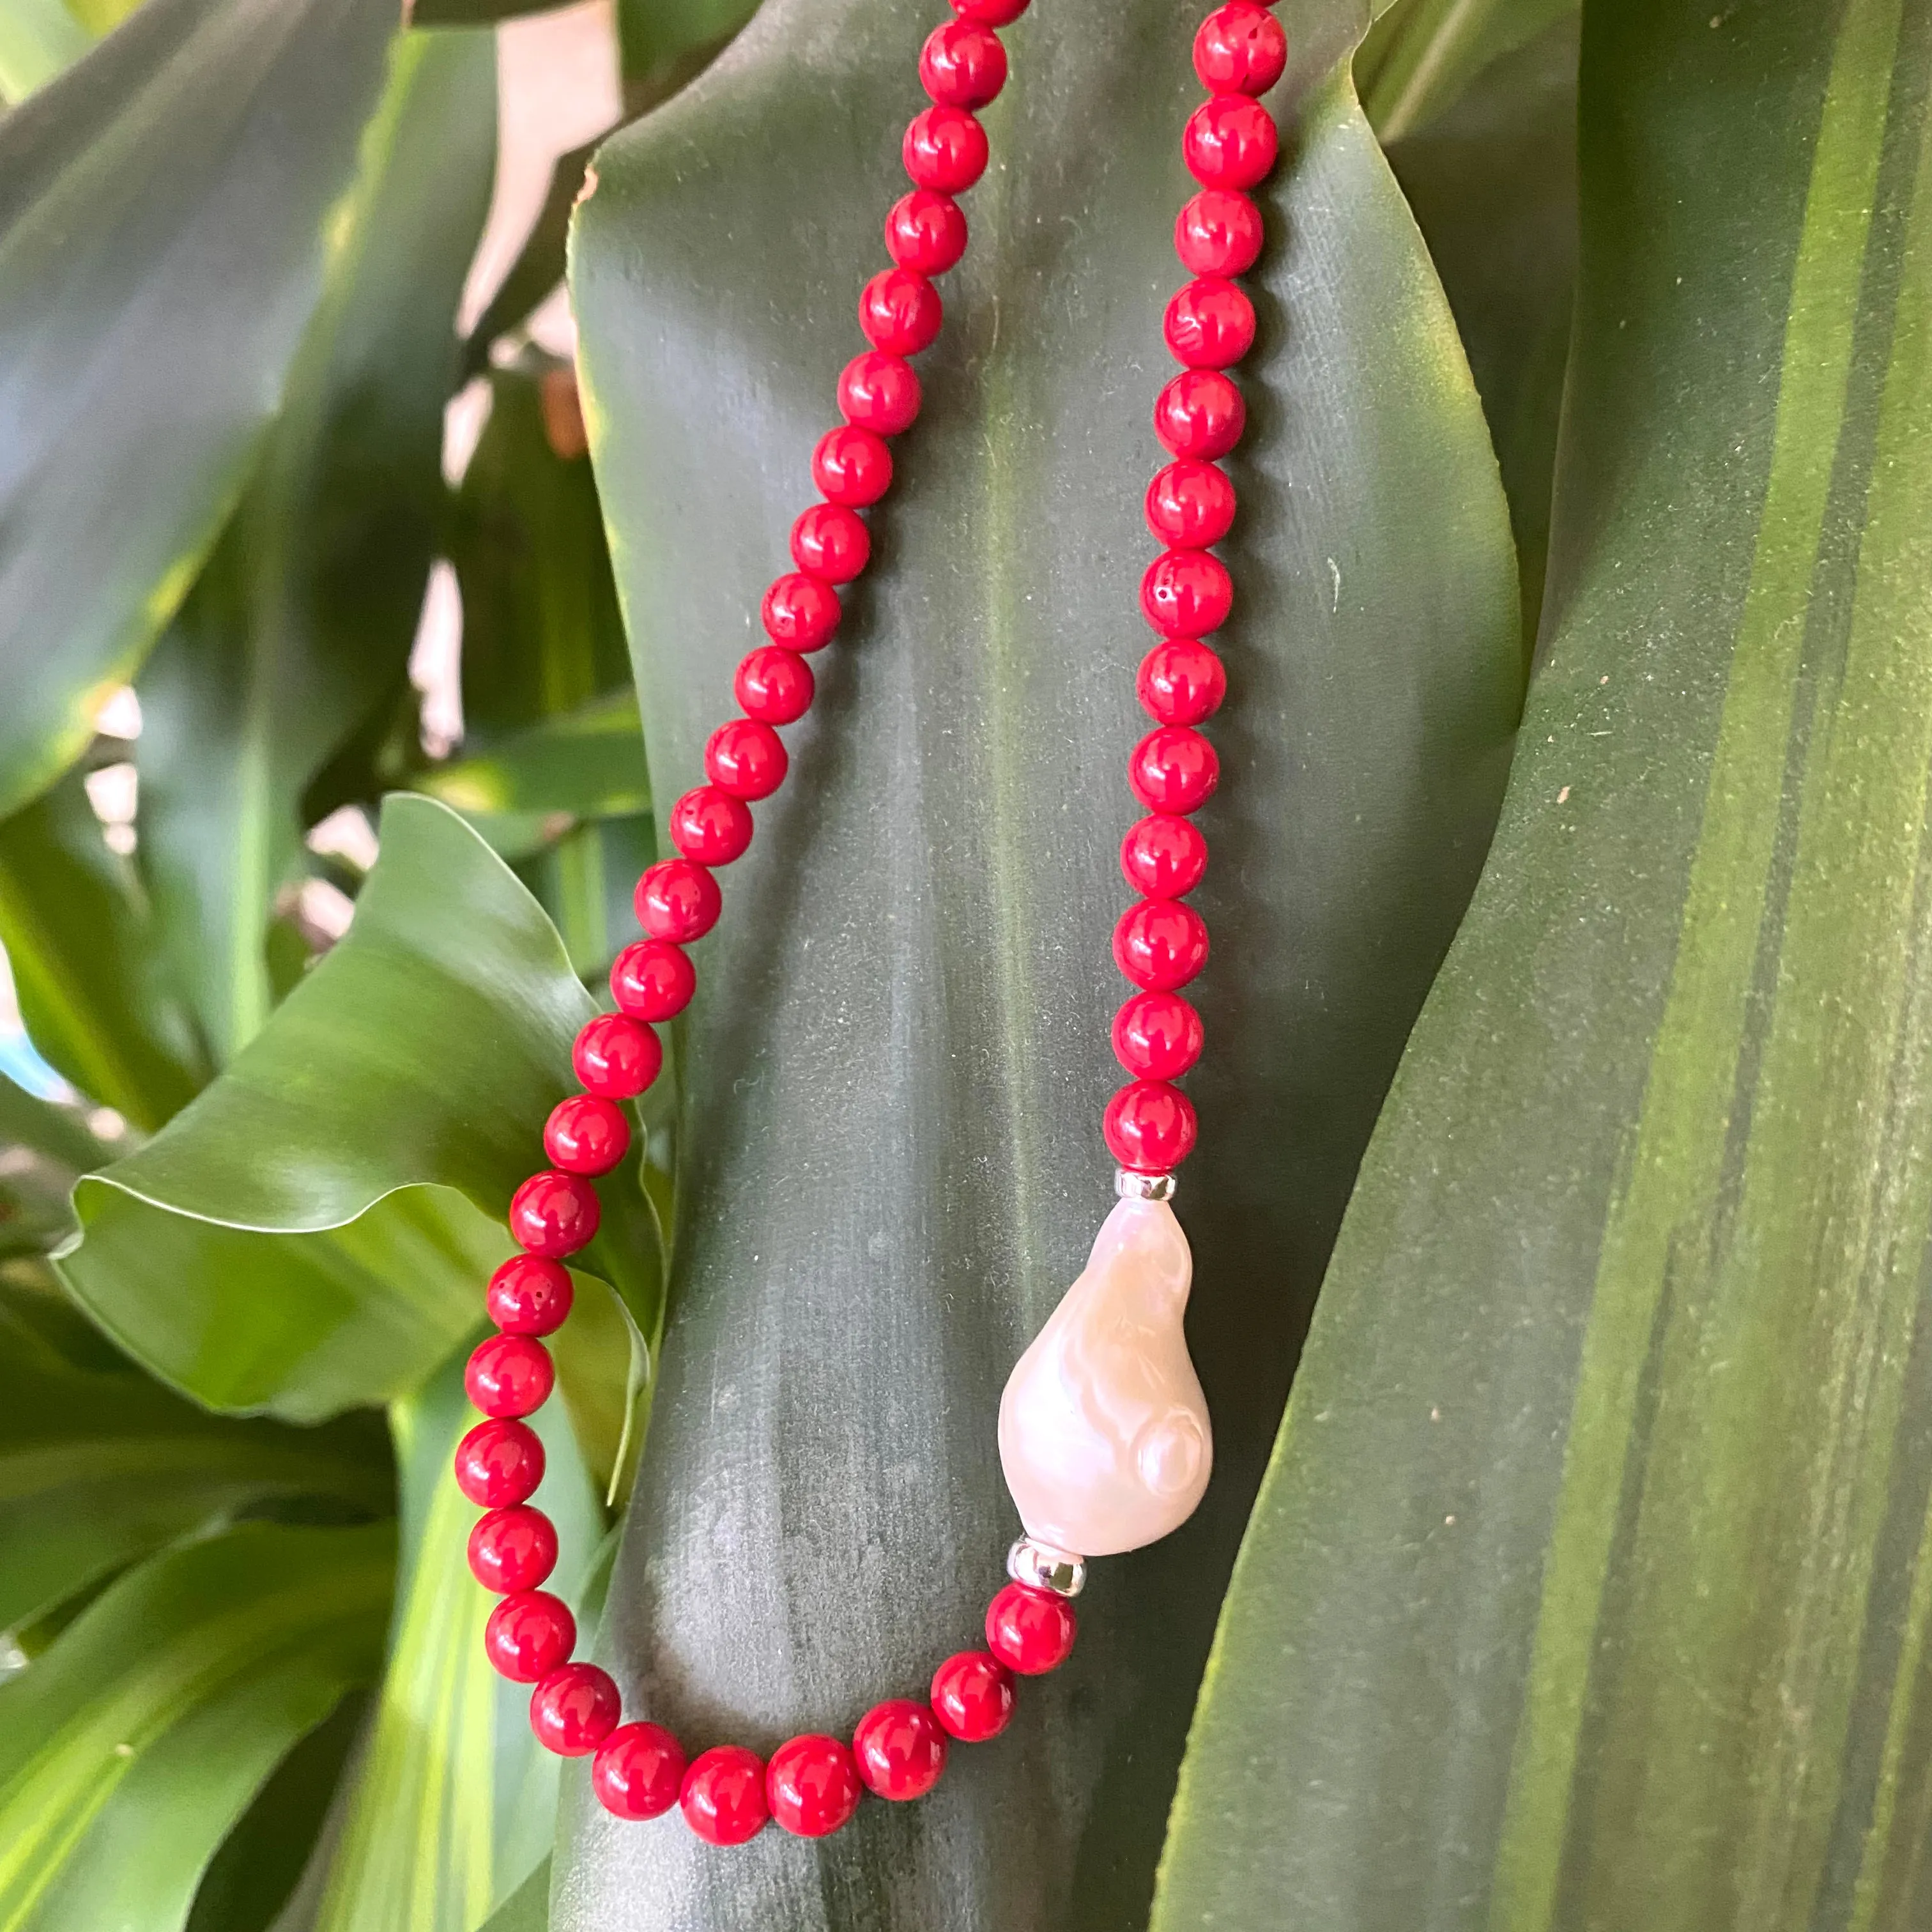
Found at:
<point>1103,1431</point>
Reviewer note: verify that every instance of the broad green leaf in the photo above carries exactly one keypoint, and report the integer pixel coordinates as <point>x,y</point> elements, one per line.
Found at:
<point>1590,1585</point>
<point>527,1909</point>
<point>302,621</point>
<point>588,762</point>
<point>207,143</point>
<point>1422,55</point>
<point>890,1165</point>
<point>131,1747</point>
<point>38,38</point>
<point>667,43</point>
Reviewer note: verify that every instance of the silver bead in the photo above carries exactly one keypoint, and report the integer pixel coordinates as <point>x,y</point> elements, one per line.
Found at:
<point>1132,1186</point>
<point>1043,1568</point>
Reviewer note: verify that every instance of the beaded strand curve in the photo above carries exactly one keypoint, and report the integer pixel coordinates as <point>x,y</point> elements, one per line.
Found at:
<point>812,1783</point>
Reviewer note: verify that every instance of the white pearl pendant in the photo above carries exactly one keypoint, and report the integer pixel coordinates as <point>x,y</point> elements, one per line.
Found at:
<point>1104,1434</point>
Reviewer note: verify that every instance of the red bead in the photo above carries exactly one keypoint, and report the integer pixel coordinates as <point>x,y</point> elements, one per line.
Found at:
<point>899,311</point>
<point>509,1375</point>
<point>1164,856</point>
<point>653,978</point>
<point>710,827</point>
<point>1240,48</point>
<point>1029,1631</point>
<point>574,1709</point>
<point>512,1549</point>
<point>554,1214</point>
<point>990,13</point>
<point>945,148</point>
<point>1209,324</point>
<point>878,391</point>
<point>615,1056</point>
<point>973,1695</point>
<point>1219,232</point>
<point>962,64</point>
<point>1149,1126</point>
<point>1187,593</point>
<point>831,542</point>
<point>1174,769</point>
<point>677,900</point>
<point>724,1795</point>
<point>926,232</point>
<point>812,1785</point>
<point>1190,505</point>
<point>800,612</point>
<point>1157,1035</point>
<point>530,1297</point>
<point>745,758</point>
<point>1199,413</point>
<point>499,1463</point>
<point>529,1635</point>
<point>1160,943</point>
<point>638,1772</point>
<point>1182,681</point>
<point>900,1749</point>
<point>1229,141</point>
<point>852,466</point>
<point>586,1134</point>
<point>774,685</point>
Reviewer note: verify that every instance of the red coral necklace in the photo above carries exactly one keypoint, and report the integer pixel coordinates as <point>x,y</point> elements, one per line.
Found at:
<point>1104,1436</point>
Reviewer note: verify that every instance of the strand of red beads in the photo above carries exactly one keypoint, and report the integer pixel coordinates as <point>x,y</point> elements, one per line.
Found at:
<point>811,1784</point>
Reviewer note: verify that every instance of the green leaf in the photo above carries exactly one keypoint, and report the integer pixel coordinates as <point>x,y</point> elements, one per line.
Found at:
<point>1590,1585</point>
<point>301,622</point>
<point>527,1909</point>
<point>38,38</point>
<point>209,141</point>
<point>128,1750</point>
<point>585,763</point>
<point>473,13</point>
<point>538,267</point>
<point>667,43</point>
<point>45,1147</point>
<point>889,1161</point>
<point>1423,55</point>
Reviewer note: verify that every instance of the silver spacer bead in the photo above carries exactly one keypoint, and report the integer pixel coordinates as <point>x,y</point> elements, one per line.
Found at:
<point>1044,1567</point>
<point>1132,1186</point>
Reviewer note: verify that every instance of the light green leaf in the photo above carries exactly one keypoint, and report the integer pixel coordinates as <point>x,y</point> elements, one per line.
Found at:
<point>588,762</point>
<point>1422,55</point>
<point>38,38</point>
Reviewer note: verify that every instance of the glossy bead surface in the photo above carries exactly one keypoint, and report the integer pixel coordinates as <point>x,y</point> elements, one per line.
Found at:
<point>1190,504</point>
<point>852,466</point>
<point>812,1786</point>
<point>638,1772</point>
<point>745,758</point>
<point>1150,1126</point>
<point>1030,1631</point>
<point>1160,944</point>
<point>529,1635</point>
<point>528,1297</point>
<point>1219,232</point>
<point>512,1549</point>
<point>878,391</point>
<point>709,827</point>
<point>554,1214</point>
<point>574,1709</point>
<point>1182,681</point>
<point>973,1695</point>
<point>831,542</point>
<point>1187,593</point>
<point>900,312</point>
<point>962,64</point>
<point>945,148</point>
<point>499,1463</point>
<point>1200,414</point>
<point>1163,856</point>
<point>900,1749</point>
<point>586,1134</point>
<point>723,1795</point>
<point>652,980</point>
<point>1209,324</point>
<point>799,612</point>
<point>990,13</point>
<point>1240,48</point>
<point>926,232</point>
<point>1157,1035</point>
<point>615,1056</point>
<point>1174,769</point>
<point>774,685</point>
<point>1229,141</point>
<point>509,1375</point>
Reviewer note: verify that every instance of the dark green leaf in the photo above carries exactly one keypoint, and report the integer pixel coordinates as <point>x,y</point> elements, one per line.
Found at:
<point>585,763</point>
<point>1422,55</point>
<point>667,44</point>
<point>472,12</point>
<point>538,268</point>
<point>527,1909</point>
<point>45,1147</point>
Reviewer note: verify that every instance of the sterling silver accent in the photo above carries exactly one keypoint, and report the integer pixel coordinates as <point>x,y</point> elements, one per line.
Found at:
<point>1043,1568</point>
<point>1132,1186</point>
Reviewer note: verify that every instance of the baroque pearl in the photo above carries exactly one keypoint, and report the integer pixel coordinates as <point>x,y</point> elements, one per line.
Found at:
<point>1104,1435</point>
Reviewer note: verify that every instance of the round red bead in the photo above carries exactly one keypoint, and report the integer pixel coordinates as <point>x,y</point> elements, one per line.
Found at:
<point>900,311</point>
<point>800,612</point>
<point>1240,48</point>
<point>900,1749</point>
<point>638,1772</point>
<point>774,685</point>
<point>1209,324</point>
<point>1160,943</point>
<point>830,542</point>
<point>1187,593</point>
<point>530,1297</point>
<point>586,1134</point>
<point>926,232</point>
<point>852,466</point>
<point>499,1463</point>
<point>677,900</point>
<point>653,978</point>
<point>1200,413</point>
<point>1164,856</point>
<point>1029,1631</point>
<point>1190,504</point>
<point>509,1375</point>
<point>615,1056</point>
<point>529,1635</point>
<point>745,758</point>
<point>990,13</point>
<point>962,64</point>
<point>1149,1126</point>
<point>1219,232</point>
<point>1182,681</point>
<point>1157,1035</point>
<point>812,1785</point>
<point>512,1549</point>
<point>554,1214</point>
<point>724,1795</point>
<point>1229,141</point>
<point>973,1695</point>
<point>945,148</point>
<point>710,827</point>
<point>878,391</point>
<point>574,1709</point>
<point>1174,769</point>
